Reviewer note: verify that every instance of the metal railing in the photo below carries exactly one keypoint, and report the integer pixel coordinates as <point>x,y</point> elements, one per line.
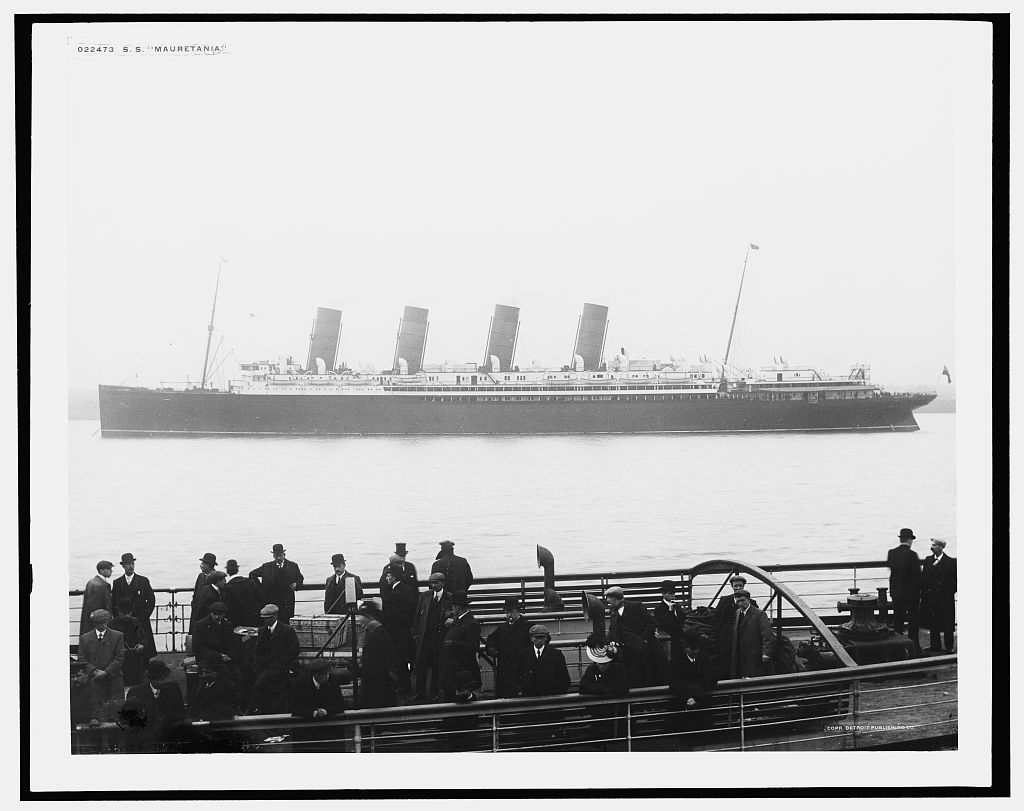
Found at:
<point>882,705</point>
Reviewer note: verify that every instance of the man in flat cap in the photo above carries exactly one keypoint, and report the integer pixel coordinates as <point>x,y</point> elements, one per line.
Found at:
<point>406,572</point>
<point>316,693</point>
<point>905,585</point>
<point>753,642</point>
<point>334,587</point>
<point>102,652</point>
<point>938,597</point>
<point>632,628</point>
<point>97,595</point>
<point>242,597</point>
<point>540,670</point>
<point>216,696</point>
<point>207,565</point>
<point>724,620</point>
<point>277,649</point>
<point>135,588</point>
<point>433,608</point>
<point>504,644</point>
<point>460,645</point>
<point>458,576</point>
<point>279,579</point>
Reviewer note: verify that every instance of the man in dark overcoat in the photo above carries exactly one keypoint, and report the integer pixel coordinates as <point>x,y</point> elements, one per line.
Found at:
<point>277,649</point>
<point>207,565</point>
<point>102,652</point>
<point>432,610</point>
<point>152,710</point>
<point>334,586</point>
<point>722,622</point>
<point>691,675</point>
<point>242,597</point>
<point>459,647</point>
<point>316,693</point>
<point>378,680</point>
<point>458,576</point>
<point>97,595</point>
<point>504,644</point>
<point>938,597</point>
<point>138,591</point>
<point>212,592</point>
<point>905,585</point>
<point>216,696</point>
<point>632,628</point>
<point>399,613</point>
<point>753,641</point>
<point>406,571</point>
<point>540,670</point>
<point>669,616</point>
<point>279,579</point>
<point>214,634</point>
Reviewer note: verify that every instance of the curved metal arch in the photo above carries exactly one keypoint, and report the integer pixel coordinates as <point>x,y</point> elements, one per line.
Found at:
<point>724,565</point>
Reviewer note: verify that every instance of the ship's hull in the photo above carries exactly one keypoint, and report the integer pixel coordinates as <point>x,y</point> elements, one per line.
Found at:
<point>140,411</point>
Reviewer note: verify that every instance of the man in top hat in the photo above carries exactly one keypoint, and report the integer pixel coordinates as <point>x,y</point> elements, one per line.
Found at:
<point>212,592</point>
<point>433,609</point>
<point>669,616</point>
<point>102,652</point>
<point>277,648</point>
<point>279,579</point>
<point>216,696</point>
<point>137,590</point>
<point>152,710</point>
<point>723,621</point>
<point>334,587</point>
<point>460,645</point>
<point>753,643</point>
<point>316,693</point>
<point>632,628</point>
<point>938,597</point>
<point>504,644</point>
<point>540,670</point>
<point>458,576</point>
<point>242,597</point>
<point>207,565</point>
<point>406,572</point>
<point>905,585</point>
<point>399,613</point>
<point>97,595</point>
<point>378,670</point>
<point>691,675</point>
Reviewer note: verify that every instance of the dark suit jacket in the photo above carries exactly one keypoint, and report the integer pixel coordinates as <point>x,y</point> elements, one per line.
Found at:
<point>938,592</point>
<point>378,684</point>
<point>458,576</point>
<point>506,641</point>
<point>409,577</point>
<point>201,580</point>
<point>429,624</point>
<point>242,597</point>
<point>208,637</point>
<point>670,622</point>
<point>215,702</point>
<point>274,585</point>
<point>274,655</point>
<point>97,595</point>
<point>207,596</point>
<point>691,680</point>
<point>400,607</point>
<point>334,593</point>
<point>153,719</point>
<point>904,573</point>
<point>546,676</point>
<point>458,652</point>
<point>306,697</point>
<point>143,601</point>
<point>610,683</point>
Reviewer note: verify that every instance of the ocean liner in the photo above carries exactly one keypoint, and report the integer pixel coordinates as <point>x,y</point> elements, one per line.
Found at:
<point>586,396</point>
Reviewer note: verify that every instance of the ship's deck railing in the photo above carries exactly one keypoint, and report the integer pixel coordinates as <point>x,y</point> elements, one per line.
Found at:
<point>820,585</point>
<point>881,705</point>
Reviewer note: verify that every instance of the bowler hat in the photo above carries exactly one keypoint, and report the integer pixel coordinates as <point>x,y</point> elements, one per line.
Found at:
<point>127,557</point>
<point>400,548</point>
<point>510,603</point>
<point>210,558</point>
<point>157,667</point>
<point>668,585</point>
<point>337,559</point>
<point>277,548</point>
<point>231,565</point>
<point>907,534</point>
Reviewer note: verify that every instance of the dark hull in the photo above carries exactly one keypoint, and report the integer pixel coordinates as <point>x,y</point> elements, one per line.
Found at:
<point>135,411</point>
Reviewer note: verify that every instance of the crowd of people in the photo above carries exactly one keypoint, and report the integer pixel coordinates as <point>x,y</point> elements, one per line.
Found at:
<point>424,646</point>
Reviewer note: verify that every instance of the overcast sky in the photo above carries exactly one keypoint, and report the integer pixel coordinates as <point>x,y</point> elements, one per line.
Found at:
<point>458,166</point>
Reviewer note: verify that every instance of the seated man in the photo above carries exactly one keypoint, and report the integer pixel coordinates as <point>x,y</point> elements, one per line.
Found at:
<point>540,669</point>
<point>214,634</point>
<point>692,675</point>
<point>315,694</point>
<point>102,653</point>
<point>216,697</point>
<point>153,710</point>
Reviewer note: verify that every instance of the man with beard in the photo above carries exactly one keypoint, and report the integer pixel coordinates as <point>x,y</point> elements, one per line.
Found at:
<point>137,590</point>
<point>279,580</point>
<point>504,644</point>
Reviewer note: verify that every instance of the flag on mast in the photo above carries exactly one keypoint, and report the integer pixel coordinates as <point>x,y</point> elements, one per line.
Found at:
<point>945,371</point>
<point>753,247</point>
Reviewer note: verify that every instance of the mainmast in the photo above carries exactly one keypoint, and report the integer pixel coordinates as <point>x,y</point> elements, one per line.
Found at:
<point>750,246</point>
<point>209,332</point>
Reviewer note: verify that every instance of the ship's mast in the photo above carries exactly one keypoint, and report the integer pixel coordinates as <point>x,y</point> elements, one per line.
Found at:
<point>743,275</point>
<point>209,332</point>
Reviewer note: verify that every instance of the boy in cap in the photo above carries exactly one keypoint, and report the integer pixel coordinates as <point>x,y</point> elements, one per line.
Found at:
<point>97,595</point>
<point>334,586</point>
<point>102,652</point>
<point>458,576</point>
<point>279,579</point>
<point>504,644</point>
<point>137,590</point>
<point>315,694</point>
<point>905,585</point>
<point>938,597</point>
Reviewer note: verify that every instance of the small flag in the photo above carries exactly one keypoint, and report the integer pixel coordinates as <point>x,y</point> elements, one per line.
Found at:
<point>754,247</point>
<point>945,371</point>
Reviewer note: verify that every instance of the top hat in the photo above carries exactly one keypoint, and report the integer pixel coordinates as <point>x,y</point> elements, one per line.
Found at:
<point>127,557</point>
<point>400,548</point>
<point>210,558</point>
<point>907,534</point>
<point>337,559</point>
<point>277,548</point>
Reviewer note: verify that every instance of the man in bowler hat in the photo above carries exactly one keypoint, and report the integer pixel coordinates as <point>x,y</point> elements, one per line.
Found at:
<point>279,579</point>
<point>207,564</point>
<point>334,587</point>
<point>135,588</point>
<point>905,585</point>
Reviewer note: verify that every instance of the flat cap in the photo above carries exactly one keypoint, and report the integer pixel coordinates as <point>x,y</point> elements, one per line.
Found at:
<point>320,665</point>
<point>218,608</point>
<point>539,629</point>
<point>100,615</point>
<point>268,610</point>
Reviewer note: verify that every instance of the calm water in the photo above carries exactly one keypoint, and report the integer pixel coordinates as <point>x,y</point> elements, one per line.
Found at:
<point>598,503</point>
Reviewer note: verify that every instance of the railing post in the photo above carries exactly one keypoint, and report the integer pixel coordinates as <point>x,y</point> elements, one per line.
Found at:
<point>494,732</point>
<point>743,729</point>
<point>855,701</point>
<point>174,622</point>
<point>373,738</point>
<point>629,726</point>
<point>357,737</point>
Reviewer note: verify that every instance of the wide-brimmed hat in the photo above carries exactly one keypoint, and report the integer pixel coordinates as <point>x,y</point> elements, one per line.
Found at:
<point>337,559</point>
<point>907,534</point>
<point>210,558</point>
<point>277,548</point>
<point>598,653</point>
<point>127,557</point>
<point>269,609</point>
<point>157,667</point>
